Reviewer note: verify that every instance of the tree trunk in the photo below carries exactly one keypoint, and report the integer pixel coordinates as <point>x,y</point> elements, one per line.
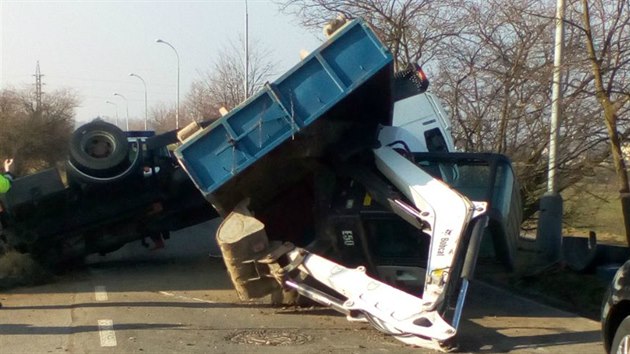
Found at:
<point>610,119</point>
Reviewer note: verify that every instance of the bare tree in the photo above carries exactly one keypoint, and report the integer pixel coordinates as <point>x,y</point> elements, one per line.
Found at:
<point>412,29</point>
<point>223,85</point>
<point>37,136</point>
<point>497,80</point>
<point>606,33</point>
<point>491,63</point>
<point>199,104</point>
<point>162,118</point>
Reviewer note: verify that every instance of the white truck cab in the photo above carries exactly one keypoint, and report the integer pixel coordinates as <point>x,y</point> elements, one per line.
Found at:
<point>421,122</point>
<point>423,116</point>
<point>418,118</point>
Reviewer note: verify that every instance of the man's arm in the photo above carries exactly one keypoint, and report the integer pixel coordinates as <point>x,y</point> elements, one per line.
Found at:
<point>8,166</point>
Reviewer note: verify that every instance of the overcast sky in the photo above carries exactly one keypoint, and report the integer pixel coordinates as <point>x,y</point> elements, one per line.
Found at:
<point>92,46</point>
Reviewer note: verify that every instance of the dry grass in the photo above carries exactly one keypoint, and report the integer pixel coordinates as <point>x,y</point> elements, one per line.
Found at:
<point>552,284</point>
<point>17,269</point>
<point>594,207</point>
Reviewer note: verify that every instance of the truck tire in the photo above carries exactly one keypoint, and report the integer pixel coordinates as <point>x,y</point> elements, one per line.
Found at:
<point>99,149</point>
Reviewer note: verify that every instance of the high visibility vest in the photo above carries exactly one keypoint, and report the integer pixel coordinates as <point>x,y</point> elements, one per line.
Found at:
<point>5,184</point>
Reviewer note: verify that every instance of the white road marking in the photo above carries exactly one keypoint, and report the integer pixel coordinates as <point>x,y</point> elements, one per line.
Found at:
<point>106,332</point>
<point>100,294</point>
<point>185,297</point>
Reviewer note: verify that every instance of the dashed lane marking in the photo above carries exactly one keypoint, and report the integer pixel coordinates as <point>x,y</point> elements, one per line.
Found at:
<point>106,332</point>
<point>100,294</point>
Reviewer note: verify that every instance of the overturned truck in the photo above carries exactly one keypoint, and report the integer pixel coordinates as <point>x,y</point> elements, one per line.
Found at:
<point>340,181</point>
<point>114,188</point>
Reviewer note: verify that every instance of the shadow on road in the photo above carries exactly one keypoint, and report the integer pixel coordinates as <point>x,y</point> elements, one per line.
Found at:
<point>19,329</point>
<point>498,321</point>
<point>479,339</point>
<point>188,305</point>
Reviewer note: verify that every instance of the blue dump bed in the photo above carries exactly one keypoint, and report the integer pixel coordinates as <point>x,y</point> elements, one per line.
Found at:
<point>332,100</point>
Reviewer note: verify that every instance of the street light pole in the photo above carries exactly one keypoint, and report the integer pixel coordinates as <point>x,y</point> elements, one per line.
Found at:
<point>127,104</point>
<point>246,52</point>
<point>177,101</point>
<point>115,105</point>
<point>556,99</point>
<point>146,114</point>
<point>549,230</point>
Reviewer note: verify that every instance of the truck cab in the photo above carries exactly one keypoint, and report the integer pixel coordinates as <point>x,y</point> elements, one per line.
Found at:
<point>423,116</point>
<point>418,114</point>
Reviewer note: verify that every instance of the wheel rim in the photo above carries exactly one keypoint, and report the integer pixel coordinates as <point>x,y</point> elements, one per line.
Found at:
<point>98,145</point>
<point>624,345</point>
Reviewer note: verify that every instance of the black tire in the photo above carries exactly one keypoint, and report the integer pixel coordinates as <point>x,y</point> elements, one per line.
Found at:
<point>99,148</point>
<point>621,341</point>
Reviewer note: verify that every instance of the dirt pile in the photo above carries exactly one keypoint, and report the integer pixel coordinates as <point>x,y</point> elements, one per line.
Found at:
<point>18,269</point>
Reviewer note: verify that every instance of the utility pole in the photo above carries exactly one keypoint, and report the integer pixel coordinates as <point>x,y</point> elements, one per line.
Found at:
<point>38,88</point>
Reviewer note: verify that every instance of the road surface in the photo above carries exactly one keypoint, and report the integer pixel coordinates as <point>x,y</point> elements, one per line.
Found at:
<point>180,300</point>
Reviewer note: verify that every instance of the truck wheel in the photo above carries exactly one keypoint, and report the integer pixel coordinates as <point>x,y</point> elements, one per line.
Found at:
<point>98,148</point>
<point>621,341</point>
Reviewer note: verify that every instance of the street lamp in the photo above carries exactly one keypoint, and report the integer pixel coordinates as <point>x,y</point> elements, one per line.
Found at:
<point>115,105</point>
<point>127,104</point>
<point>177,104</point>
<point>246,53</point>
<point>145,99</point>
<point>549,231</point>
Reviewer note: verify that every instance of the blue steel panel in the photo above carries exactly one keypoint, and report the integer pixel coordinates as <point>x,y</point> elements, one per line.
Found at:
<point>355,55</point>
<point>212,159</point>
<point>260,124</point>
<point>308,90</point>
<point>300,96</point>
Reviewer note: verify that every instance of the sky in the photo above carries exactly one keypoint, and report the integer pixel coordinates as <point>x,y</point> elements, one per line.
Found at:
<point>91,47</point>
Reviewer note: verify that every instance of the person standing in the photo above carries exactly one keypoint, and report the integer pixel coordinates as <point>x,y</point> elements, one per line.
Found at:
<point>5,183</point>
<point>7,177</point>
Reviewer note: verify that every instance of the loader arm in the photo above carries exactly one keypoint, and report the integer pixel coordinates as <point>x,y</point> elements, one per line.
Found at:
<point>448,217</point>
<point>447,213</point>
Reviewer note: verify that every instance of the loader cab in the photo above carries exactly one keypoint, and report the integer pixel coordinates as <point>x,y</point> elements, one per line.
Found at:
<point>370,233</point>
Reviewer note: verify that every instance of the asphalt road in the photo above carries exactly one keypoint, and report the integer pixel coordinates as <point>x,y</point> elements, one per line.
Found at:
<point>179,299</point>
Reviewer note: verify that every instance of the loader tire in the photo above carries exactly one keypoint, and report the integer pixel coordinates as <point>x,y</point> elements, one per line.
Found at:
<point>620,341</point>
